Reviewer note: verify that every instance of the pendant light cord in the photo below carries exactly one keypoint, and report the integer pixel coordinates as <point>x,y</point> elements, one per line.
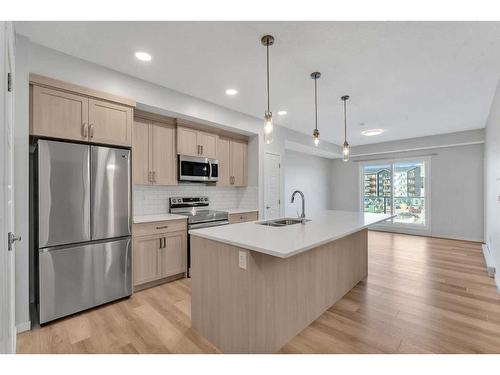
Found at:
<point>267,50</point>
<point>345,121</point>
<point>316,103</point>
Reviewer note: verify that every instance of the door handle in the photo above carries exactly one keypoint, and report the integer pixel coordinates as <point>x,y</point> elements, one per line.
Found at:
<point>268,207</point>
<point>91,130</point>
<point>85,130</point>
<point>11,238</point>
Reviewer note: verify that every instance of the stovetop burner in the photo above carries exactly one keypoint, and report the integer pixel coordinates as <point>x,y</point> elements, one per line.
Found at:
<point>196,209</point>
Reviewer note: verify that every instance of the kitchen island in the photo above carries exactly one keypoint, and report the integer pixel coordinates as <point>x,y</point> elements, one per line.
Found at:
<point>254,287</point>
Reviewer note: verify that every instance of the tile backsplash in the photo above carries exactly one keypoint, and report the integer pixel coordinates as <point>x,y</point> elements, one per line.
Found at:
<point>150,200</point>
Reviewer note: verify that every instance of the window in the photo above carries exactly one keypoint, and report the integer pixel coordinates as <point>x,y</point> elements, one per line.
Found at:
<point>398,188</point>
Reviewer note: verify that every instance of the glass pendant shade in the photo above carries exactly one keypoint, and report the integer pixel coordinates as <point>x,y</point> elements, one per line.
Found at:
<point>345,151</point>
<point>268,127</point>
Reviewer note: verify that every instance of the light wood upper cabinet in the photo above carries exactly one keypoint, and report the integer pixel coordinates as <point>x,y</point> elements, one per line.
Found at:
<point>146,258</point>
<point>208,144</point>
<point>110,123</point>
<point>238,162</point>
<point>59,114</point>
<point>187,141</point>
<point>194,142</point>
<point>153,153</point>
<point>163,154</point>
<point>174,254</point>
<point>141,152</point>
<point>223,156</point>
<point>233,162</point>
<point>65,111</point>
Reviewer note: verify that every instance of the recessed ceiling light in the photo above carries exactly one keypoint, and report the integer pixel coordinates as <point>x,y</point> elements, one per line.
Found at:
<point>143,56</point>
<point>231,92</point>
<point>372,132</point>
<point>282,113</point>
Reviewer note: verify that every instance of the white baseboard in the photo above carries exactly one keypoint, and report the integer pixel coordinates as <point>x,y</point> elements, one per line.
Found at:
<point>21,327</point>
<point>490,266</point>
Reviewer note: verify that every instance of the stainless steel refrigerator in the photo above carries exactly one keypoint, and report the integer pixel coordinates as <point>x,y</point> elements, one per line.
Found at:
<point>83,226</point>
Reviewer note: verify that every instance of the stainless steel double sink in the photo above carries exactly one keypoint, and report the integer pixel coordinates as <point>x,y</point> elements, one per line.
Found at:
<point>281,222</point>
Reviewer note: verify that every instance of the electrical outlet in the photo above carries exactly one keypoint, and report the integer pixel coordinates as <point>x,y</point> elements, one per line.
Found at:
<point>242,259</point>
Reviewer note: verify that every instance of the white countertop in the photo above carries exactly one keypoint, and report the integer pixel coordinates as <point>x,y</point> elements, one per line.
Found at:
<point>238,210</point>
<point>290,240</point>
<point>159,217</point>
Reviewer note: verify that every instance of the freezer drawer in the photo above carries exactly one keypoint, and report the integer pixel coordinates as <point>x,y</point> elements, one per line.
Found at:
<point>63,193</point>
<point>76,278</point>
<point>110,192</point>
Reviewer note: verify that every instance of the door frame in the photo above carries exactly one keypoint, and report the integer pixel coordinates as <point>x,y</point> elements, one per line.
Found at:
<point>281,188</point>
<point>7,183</point>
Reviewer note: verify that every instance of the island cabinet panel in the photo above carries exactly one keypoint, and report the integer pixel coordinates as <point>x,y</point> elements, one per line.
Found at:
<point>110,123</point>
<point>59,114</point>
<point>153,153</point>
<point>233,162</point>
<point>193,142</point>
<point>262,307</point>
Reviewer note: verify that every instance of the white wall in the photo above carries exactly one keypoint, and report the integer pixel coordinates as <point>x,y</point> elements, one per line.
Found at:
<point>313,176</point>
<point>492,182</point>
<point>33,58</point>
<point>456,185</point>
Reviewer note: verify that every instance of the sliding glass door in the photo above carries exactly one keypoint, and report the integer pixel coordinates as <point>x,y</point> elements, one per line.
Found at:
<point>398,188</point>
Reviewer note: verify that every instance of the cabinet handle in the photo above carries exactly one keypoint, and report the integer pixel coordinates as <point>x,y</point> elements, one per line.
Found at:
<point>91,131</point>
<point>162,227</point>
<point>153,179</point>
<point>201,149</point>
<point>85,131</point>
<point>161,238</point>
<point>149,176</point>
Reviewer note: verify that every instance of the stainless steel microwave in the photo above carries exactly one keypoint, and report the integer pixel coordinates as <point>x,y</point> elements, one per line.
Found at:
<point>192,168</point>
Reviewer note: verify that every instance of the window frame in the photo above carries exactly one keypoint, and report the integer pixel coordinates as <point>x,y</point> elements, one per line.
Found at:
<point>400,227</point>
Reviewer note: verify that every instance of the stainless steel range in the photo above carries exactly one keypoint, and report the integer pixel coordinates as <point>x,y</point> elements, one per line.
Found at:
<point>199,214</point>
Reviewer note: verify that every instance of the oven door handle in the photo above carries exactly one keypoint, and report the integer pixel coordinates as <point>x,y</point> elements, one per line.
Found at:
<point>209,224</point>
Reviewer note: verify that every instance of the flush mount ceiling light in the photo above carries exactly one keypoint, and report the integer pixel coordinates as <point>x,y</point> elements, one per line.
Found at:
<point>282,113</point>
<point>345,147</point>
<point>372,132</point>
<point>231,92</point>
<point>316,76</point>
<point>143,56</point>
<point>268,40</point>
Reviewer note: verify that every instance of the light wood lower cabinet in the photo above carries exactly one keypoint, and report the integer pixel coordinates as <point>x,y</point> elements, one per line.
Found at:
<point>159,256</point>
<point>153,153</point>
<point>233,162</point>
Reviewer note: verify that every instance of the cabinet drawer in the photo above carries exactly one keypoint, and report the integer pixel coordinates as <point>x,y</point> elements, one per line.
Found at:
<point>157,227</point>
<point>243,217</point>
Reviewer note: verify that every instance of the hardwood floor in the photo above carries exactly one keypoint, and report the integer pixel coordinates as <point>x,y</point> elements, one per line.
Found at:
<point>422,295</point>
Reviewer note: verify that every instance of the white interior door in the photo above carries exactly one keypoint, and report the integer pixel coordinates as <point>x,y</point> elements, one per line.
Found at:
<point>7,320</point>
<point>272,186</point>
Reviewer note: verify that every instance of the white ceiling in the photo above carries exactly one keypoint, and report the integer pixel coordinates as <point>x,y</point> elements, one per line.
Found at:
<point>410,78</point>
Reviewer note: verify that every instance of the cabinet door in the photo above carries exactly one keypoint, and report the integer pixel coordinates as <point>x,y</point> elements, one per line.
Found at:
<point>174,254</point>
<point>238,166</point>
<point>223,156</point>
<point>163,154</point>
<point>208,143</point>
<point>141,152</point>
<point>59,114</point>
<point>146,259</point>
<point>110,123</point>
<point>187,142</point>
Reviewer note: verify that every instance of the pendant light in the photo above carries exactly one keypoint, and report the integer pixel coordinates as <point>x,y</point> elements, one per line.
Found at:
<point>268,40</point>
<point>316,76</point>
<point>345,148</point>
